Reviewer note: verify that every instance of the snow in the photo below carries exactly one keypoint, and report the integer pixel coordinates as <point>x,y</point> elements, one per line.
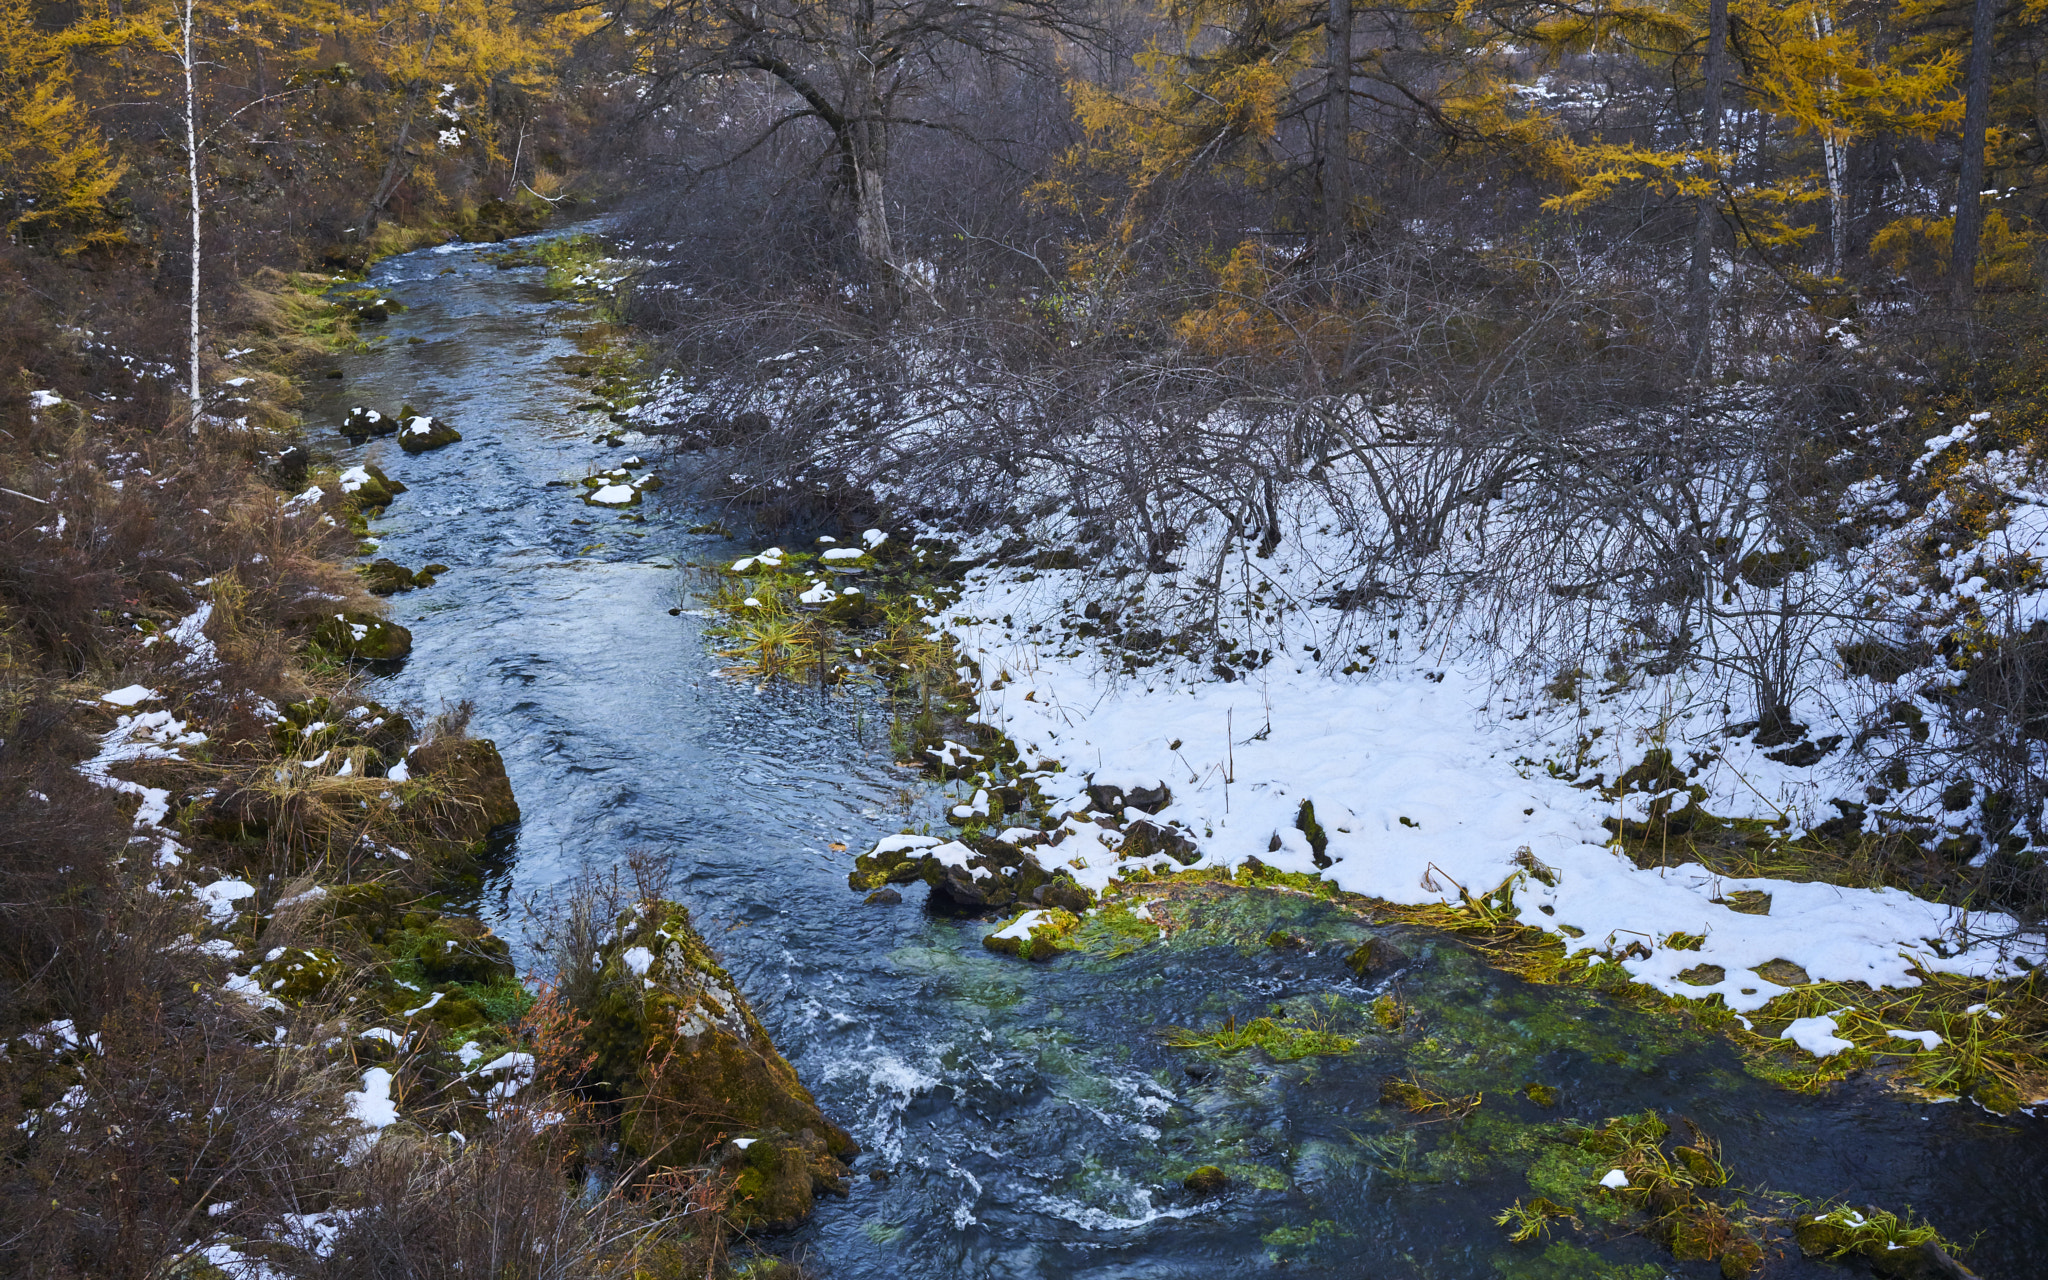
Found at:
<point>1929,1040</point>
<point>44,399</point>
<point>1020,928</point>
<point>613,495</point>
<point>373,1105</point>
<point>843,553</point>
<point>638,959</point>
<point>398,773</point>
<point>353,479</point>
<point>1817,1036</point>
<point>818,593</point>
<point>873,538</point>
<point>220,897</point>
<point>130,695</point>
<point>1423,787</point>
<point>1615,1179</point>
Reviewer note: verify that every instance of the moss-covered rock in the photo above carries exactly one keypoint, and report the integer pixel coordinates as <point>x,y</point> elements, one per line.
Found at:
<point>677,1042</point>
<point>363,636</point>
<point>1374,956</point>
<point>370,487</point>
<point>1038,934</point>
<point>978,872</point>
<point>364,423</point>
<point>472,796</point>
<point>776,1176</point>
<point>421,433</point>
<point>1206,1180</point>
<point>388,577</point>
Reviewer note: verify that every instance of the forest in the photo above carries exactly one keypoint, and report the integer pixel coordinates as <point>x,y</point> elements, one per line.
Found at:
<point>1649,393</point>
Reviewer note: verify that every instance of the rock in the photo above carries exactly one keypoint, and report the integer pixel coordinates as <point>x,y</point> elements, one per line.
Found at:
<point>776,1177</point>
<point>980,872</point>
<point>371,488</point>
<point>1927,1261</point>
<point>364,423</point>
<point>883,898</point>
<point>613,495</point>
<point>1206,1180</point>
<point>364,637</point>
<point>1749,902</point>
<point>1104,798</point>
<point>421,433</point>
<point>1783,972</point>
<point>1143,839</point>
<point>1541,1094</point>
<point>1034,934</point>
<point>476,797</point>
<point>288,468</point>
<point>671,1031</point>
<point>427,574</point>
<point>469,952</point>
<point>388,577</point>
<point>1374,955</point>
<point>1150,799</point>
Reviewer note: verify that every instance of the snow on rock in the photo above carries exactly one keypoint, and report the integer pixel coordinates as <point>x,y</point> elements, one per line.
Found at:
<point>1020,928</point>
<point>220,897</point>
<point>843,553</point>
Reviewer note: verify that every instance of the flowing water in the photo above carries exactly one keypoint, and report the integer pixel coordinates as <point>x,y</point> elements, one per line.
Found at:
<point>1023,1120</point>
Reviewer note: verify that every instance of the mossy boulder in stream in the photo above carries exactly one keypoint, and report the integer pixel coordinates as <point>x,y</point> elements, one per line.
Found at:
<point>979,872</point>
<point>696,1072</point>
<point>364,637</point>
<point>471,796</point>
<point>421,433</point>
<point>1036,934</point>
<point>370,487</point>
<point>364,423</point>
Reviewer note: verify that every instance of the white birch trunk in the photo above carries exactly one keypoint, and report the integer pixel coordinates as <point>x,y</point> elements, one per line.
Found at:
<point>192,175</point>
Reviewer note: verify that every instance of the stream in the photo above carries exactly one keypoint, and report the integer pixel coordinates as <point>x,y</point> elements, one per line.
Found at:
<point>1023,1120</point>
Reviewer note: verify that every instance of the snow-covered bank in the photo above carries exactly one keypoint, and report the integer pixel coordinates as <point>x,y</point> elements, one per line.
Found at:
<point>1426,779</point>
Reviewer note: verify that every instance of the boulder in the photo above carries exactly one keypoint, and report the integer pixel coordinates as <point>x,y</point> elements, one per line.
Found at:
<point>776,1177</point>
<point>1034,935</point>
<point>387,577</point>
<point>421,433</point>
<point>978,872</point>
<point>1150,799</point>
<point>364,423</point>
<point>364,637</point>
<point>1206,1180</point>
<point>475,797</point>
<point>1374,955</point>
<point>370,487</point>
<point>1143,839</point>
<point>674,1037</point>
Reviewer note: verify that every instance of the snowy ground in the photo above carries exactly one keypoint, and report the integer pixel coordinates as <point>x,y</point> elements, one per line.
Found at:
<point>1426,778</point>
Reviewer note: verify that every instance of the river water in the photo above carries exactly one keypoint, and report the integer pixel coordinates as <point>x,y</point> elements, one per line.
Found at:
<point>1021,1120</point>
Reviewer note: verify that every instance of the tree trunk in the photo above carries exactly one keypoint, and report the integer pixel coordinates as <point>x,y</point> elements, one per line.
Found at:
<point>1970,182</point>
<point>192,176</point>
<point>1699,278</point>
<point>1337,136</point>
<point>871,223</point>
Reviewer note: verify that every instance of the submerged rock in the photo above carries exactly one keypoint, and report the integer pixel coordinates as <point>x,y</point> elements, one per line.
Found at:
<point>679,1044</point>
<point>363,636</point>
<point>422,433</point>
<point>1374,955</point>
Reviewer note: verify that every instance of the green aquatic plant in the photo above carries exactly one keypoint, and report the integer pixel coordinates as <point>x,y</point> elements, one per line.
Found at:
<point>1411,1094</point>
<point>1840,1230</point>
<point>1526,1222</point>
<point>1282,1041</point>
